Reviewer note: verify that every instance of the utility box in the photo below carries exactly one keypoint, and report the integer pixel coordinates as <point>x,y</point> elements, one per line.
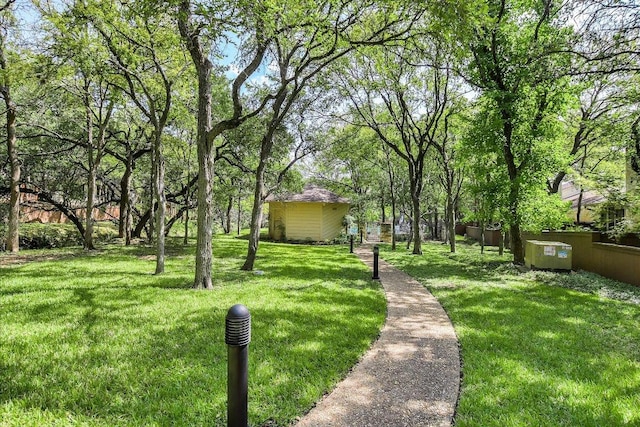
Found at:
<point>547,255</point>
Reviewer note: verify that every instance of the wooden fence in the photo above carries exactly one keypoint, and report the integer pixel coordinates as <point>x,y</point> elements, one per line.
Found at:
<point>491,237</point>
<point>617,262</point>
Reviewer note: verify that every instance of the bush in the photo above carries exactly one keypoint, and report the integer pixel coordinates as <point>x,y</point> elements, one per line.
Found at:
<point>48,236</point>
<point>342,239</point>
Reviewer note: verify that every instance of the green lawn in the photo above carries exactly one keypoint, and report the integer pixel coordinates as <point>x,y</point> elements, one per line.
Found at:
<point>538,348</point>
<point>95,339</point>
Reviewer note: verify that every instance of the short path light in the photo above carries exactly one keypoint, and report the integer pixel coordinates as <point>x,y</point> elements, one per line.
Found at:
<point>351,244</point>
<point>376,253</point>
<point>237,336</point>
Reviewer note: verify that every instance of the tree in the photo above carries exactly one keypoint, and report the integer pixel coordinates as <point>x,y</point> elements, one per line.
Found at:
<point>143,51</point>
<point>95,146</point>
<point>305,42</point>
<point>350,165</point>
<point>131,143</point>
<point>77,51</point>
<point>305,38</point>
<point>279,141</point>
<point>517,67</point>
<point>13,242</point>
<point>199,27</point>
<point>451,174</point>
<point>392,170</point>
<point>405,106</point>
<point>485,172</point>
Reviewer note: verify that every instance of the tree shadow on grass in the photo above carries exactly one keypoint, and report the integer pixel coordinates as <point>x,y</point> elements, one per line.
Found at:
<point>433,269</point>
<point>564,356</point>
<point>313,264</point>
<point>85,348</point>
<point>533,354</point>
<point>132,360</point>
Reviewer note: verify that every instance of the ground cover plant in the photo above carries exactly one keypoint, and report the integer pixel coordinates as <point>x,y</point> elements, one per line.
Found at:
<point>92,338</point>
<point>52,235</point>
<point>538,348</point>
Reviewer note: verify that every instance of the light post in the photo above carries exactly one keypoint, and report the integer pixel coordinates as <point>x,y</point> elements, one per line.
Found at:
<point>237,336</point>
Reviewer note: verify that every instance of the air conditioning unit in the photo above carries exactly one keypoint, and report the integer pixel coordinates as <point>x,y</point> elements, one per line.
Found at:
<point>547,255</point>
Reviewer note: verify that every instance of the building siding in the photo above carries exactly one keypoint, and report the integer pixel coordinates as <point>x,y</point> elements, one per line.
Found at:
<point>277,220</point>
<point>303,221</point>
<point>306,220</point>
<point>332,216</point>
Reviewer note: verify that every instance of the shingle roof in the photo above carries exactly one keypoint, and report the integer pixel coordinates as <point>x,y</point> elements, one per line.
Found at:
<point>311,193</point>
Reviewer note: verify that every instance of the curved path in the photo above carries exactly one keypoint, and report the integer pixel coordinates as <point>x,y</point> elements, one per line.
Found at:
<point>411,374</point>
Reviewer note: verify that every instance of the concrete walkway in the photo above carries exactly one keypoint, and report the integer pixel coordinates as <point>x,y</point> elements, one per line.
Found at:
<point>411,374</point>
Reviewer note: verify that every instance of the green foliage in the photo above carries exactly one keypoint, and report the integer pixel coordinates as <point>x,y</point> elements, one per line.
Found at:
<point>49,236</point>
<point>518,66</point>
<point>540,210</point>
<point>486,173</point>
<point>350,167</point>
<point>619,215</point>
<point>95,339</point>
<point>538,348</point>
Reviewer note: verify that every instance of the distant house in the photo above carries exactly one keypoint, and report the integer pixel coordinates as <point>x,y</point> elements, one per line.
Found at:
<point>584,201</point>
<point>316,214</point>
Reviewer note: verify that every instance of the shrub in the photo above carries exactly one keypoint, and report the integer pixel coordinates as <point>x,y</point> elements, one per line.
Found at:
<point>48,236</point>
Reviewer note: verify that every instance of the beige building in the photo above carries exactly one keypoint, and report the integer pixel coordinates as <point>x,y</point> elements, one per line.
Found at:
<point>315,215</point>
<point>585,201</point>
<point>588,200</point>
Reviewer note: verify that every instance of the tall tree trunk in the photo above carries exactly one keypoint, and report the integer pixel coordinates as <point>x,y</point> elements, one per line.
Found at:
<point>516,243</point>
<point>483,230</point>
<point>185,240</point>
<point>205,212</point>
<point>125,188</point>
<point>514,226</point>
<point>227,214</point>
<point>393,220</point>
<point>436,234</point>
<point>239,213</point>
<point>579,210</point>
<point>162,203</point>
<point>91,194</point>
<point>451,221</point>
<point>13,235</point>
<point>205,137</point>
<point>514,188</point>
<point>417,239</point>
<point>266,146</point>
<point>153,201</point>
<point>582,162</point>
<point>92,172</point>
<point>128,223</point>
<point>392,193</point>
<point>256,217</point>
<point>95,152</point>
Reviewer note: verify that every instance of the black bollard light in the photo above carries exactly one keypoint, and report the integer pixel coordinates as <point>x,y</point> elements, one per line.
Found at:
<point>351,244</point>
<point>376,253</point>
<point>237,336</point>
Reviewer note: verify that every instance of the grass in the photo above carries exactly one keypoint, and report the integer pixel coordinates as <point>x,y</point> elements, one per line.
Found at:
<point>94,339</point>
<point>538,348</point>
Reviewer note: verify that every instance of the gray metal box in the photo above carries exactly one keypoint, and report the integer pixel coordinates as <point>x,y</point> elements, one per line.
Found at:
<point>547,255</point>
